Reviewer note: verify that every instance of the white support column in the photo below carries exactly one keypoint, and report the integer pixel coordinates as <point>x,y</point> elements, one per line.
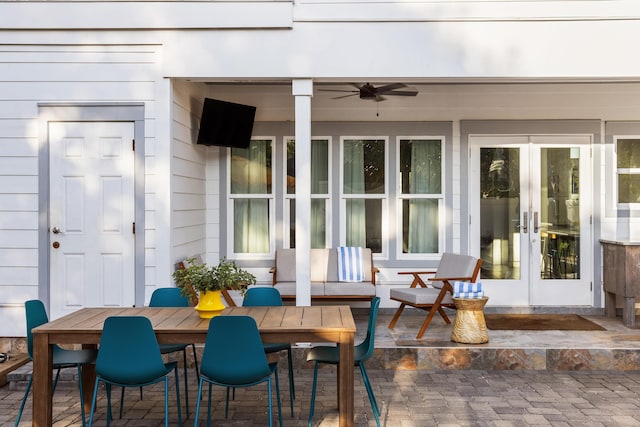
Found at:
<point>303,91</point>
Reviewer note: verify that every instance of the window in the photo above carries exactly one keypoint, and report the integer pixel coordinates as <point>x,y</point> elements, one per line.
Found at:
<point>251,196</point>
<point>363,192</point>
<point>628,169</point>
<point>319,191</point>
<point>421,195</point>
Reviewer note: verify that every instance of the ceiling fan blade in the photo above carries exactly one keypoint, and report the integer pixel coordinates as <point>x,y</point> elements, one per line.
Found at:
<point>387,88</point>
<point>403,92</point>
<point>345,96</point>
<point>337,90</point>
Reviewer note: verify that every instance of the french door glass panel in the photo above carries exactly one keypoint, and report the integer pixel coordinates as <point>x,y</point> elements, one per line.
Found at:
<point>530,194</point>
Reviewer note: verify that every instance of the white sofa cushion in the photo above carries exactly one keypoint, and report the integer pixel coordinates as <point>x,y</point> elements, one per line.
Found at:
<point>289,288</point>
<point>349,288</point>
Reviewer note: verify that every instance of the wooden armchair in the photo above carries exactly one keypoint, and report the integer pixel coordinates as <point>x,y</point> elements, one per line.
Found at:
<point>452,267</point>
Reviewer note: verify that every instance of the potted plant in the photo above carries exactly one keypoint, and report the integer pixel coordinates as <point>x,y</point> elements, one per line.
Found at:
<point>202,284</point>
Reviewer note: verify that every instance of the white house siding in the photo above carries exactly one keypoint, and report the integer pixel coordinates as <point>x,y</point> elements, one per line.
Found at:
<point>33,74</point>
<point>188,177</point>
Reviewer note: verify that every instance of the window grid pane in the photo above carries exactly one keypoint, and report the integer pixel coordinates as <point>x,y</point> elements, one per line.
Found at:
<point>251,168</point>
<point>421,166</point>
<point>319,166</point>
<point>251,193</point>
<point>364,166</point>
<point>420,171</point>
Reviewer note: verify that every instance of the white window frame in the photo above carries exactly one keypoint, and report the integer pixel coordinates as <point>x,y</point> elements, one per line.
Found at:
<point>230,208</point>
<point>384,254</point>
<point>400,255</point>
<point>288,197</point>
<point>618,171</point>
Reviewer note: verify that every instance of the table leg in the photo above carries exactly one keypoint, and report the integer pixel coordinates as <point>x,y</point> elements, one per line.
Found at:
<point>88,381</point>
<point>42,381</point>
<point>346,381</point>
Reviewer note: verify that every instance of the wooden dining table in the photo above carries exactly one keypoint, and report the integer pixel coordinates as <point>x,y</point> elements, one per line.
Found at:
<point>334,324</point>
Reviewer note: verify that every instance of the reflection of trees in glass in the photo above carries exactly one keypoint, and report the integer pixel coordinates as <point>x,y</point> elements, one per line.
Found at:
<point>628,153</point>
<point>628,162</point>
<point>365,157</point>
<point>421,160</point>
<point>499,172</point>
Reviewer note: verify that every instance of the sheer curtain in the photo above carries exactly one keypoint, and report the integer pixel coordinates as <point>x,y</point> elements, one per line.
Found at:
<point>251,216</point>
<point>319,185</point>
<point>354,184</point>
<point>423,213</point>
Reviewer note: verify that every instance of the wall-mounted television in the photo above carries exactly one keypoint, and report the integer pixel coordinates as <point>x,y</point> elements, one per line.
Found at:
<point>226,124</point>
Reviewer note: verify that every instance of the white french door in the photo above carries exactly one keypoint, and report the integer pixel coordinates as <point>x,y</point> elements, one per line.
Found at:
<point>530,218</point>
<point>91,215</point>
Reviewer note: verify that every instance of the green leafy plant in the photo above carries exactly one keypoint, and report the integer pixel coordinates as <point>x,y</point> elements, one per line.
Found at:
<point>196,278</point>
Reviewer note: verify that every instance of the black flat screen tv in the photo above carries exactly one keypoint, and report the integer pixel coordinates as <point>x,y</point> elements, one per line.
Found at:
<point>226,124</point>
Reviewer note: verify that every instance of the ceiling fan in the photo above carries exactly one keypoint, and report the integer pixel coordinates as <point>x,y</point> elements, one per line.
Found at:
<point>373,93</point>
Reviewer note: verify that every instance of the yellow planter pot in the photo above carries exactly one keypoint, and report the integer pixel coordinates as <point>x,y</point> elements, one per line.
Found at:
<point>210,304</point>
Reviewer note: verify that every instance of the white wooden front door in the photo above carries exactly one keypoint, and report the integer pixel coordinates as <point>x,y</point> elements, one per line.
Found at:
<point>91,215</point>
<point>530,218</point>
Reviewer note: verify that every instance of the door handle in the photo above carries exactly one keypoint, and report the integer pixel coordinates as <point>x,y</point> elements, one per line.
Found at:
<point>525,222</point>
<point>535,222</point>
<point>55,230</point>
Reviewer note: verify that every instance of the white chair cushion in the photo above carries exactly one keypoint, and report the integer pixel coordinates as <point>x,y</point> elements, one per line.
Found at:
<point>419,296</point>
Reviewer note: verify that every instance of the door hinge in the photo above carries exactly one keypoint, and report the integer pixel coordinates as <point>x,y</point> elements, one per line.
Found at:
<point>133,145</point>
<point>133,228</point>
<point>591,286</point>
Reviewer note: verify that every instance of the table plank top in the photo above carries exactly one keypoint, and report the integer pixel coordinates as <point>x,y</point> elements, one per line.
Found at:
<point>186,320</point>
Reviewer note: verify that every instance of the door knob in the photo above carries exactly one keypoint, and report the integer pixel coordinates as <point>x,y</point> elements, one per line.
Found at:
<point>55,230</point>
<point>56,245</point>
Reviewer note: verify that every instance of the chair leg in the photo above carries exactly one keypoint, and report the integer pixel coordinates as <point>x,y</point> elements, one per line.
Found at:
<point>313,394</point>
<point>292,390</point>
<point>426,323</point>
<point>372,398</point>
<point>24,400</point>
<point>81,395</point>
<point>278,399</point>
<point>93,403</point>
<point>186,382</point>
<point>109,415</point>
<point>177,397</point>
<point>55,382</point>
<point>270,401</point>
<point>122,399</point>
<point>195,360</point>
<point>226,408</point>
<point>195,416</point>
<point>209,407</point>
<point>397,315</point>
<point>292,386</point>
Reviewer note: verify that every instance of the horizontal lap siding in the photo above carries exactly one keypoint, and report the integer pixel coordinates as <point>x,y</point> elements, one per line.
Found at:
<point>33,74</point>
<point>188,195</point>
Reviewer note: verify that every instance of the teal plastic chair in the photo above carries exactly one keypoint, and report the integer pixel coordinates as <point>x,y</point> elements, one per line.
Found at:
<point>129,356</point>
<point>362,352</point>
<point>36,316</point>
<point>234,357</point>
<point>172,297</point>
<point>264,297</point>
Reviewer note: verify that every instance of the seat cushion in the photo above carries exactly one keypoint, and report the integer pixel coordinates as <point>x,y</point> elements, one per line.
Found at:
<point>288,289</point>
<point>419,296</point>
<point>349,288</point>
